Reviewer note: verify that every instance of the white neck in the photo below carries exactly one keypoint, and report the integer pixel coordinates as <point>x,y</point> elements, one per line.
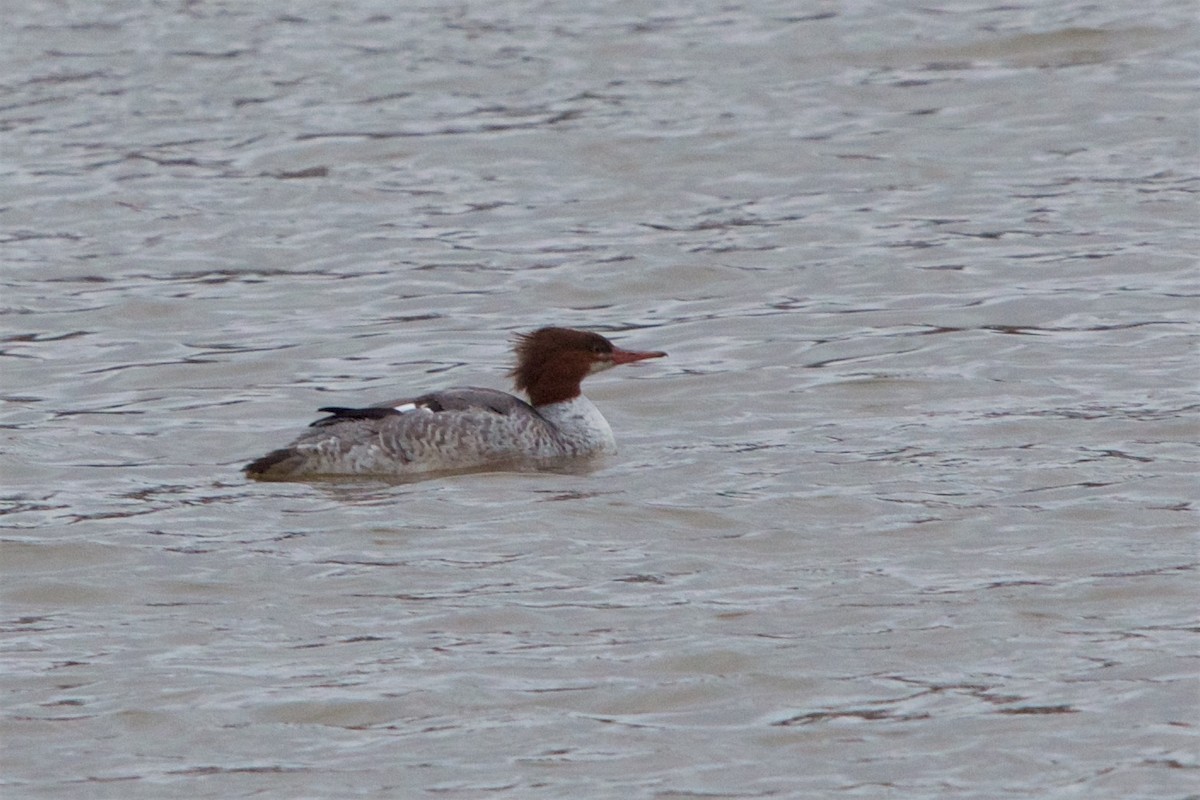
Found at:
<point>582,427</point>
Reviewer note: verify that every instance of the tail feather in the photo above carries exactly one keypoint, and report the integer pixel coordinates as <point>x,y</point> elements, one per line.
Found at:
<point>275,465</point>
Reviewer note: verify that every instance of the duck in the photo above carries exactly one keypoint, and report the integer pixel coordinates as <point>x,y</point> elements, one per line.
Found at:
<point>467,428</point>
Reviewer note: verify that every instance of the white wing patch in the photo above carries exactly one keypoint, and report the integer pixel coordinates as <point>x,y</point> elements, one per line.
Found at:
<point>405,408</point>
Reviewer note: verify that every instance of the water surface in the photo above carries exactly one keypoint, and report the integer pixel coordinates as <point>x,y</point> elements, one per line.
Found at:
<point>908,512</point>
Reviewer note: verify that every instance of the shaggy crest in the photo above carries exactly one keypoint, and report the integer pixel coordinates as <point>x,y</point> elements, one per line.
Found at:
<point>552,361</point>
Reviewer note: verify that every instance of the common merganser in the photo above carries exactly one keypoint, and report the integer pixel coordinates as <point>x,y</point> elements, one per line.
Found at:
<point>466,427</point>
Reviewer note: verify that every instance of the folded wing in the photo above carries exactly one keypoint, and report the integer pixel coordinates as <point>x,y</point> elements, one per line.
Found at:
<point>452,429</point>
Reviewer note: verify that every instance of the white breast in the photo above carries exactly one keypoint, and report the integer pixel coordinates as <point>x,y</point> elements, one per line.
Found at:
<point>581,426</point>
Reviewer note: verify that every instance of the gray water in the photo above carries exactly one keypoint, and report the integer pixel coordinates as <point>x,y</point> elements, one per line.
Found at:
<point>908,512</point>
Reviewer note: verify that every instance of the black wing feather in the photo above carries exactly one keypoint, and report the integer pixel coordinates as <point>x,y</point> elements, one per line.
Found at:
<point>341,413</point>
<point>459,399</point>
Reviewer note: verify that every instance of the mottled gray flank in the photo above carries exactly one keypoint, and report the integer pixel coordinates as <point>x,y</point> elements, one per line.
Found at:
<point>475,427</point>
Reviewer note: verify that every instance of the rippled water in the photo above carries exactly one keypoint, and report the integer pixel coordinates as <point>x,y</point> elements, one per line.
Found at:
<point>908,512</point>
